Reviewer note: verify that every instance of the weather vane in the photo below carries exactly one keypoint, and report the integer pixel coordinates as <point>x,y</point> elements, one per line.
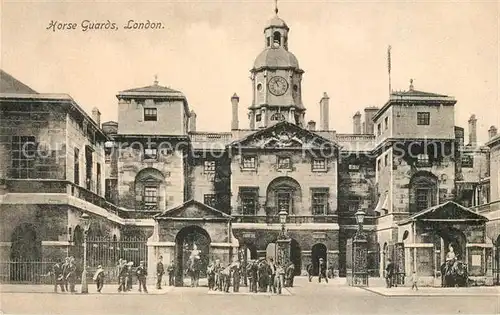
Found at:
<point>276,6</point>
<point>156,79</point>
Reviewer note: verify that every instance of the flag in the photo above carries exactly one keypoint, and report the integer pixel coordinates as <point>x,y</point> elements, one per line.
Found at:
<point>389,59</point>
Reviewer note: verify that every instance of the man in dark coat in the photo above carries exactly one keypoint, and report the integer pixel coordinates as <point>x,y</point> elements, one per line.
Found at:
<point>236,276</point>
<point>57,274</point>
<point>263,275</point>
<point>171,273</point>
<point>64,280</point>
<point>141,274</point>
<point>290,274</point>
<point>322,270</point>
<point>310,272</point>
<point>71,275</point>
<point>252,273</point>
<point>122,275</point>
<point>160,271</point>
<point>389,272</point>
<point>272,276</point>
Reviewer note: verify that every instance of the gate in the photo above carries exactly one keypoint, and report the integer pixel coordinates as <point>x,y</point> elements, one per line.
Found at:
<point>106,252</point>
<point>399,264</point>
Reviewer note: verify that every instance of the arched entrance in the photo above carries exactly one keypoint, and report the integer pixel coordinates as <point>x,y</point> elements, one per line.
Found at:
<point>296,256</point>
<point>317,251</point>
<point>26,248</point>
<point>188,239</point>
<point>455,238</point>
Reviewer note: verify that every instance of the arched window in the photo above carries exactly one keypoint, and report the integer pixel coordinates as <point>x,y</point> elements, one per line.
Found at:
<point>423,191</point>
<point>283,193</point>
<point>148,185</point>
<point>277,117</point>
<point>277,38</point>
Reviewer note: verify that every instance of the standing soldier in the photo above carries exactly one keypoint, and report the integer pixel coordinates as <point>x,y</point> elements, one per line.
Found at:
<point>71,274</point>
<point>57,273</point>
<point>159,272</point>
<point>65,267</point>
<point>322,270</point>
<point>99,278</point>
<point>171,273</point>
<point>142,273</point>
<point>122,276</point>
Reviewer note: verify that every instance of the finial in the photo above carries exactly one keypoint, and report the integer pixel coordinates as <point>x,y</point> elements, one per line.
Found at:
<point>156,79</point>
<point>276,6</point>
<point>411,84</point>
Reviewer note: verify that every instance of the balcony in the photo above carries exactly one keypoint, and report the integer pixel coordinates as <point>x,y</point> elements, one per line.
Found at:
<point>291,219</point>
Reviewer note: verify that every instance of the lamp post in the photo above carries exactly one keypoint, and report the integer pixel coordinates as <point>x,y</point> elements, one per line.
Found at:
<point>282,216</point>
<point>86,226</point>
<point>360,253</point>
<point>283,246</point>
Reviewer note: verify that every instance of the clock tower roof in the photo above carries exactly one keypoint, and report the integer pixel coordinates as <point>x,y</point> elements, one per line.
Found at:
<point>276,58</point>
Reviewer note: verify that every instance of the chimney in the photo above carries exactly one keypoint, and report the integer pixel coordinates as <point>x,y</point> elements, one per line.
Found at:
<point>110,127</point>
<point>192,121</point>
<point>234,103</point>
<point>492,132</point>
<point>473,131</point>
<point>356,121</point>
<point>96,116</point>
<point>369,113</point>
<point>311,125</point>
<point>324,105</point>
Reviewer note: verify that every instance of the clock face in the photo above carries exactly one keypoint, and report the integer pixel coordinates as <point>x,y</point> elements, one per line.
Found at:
<point>278,86</point>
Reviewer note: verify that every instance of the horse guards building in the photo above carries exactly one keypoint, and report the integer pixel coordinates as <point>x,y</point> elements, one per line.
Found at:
<point>153,185</point>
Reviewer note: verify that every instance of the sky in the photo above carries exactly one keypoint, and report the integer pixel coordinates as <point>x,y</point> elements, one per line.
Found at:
<point>207,48</point>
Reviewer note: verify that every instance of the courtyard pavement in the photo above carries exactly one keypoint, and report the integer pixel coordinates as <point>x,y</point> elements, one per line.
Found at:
<point>303,299</point>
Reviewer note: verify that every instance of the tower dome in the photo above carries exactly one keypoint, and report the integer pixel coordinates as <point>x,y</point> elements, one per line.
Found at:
<point>276,22</point>
<point>275,57</point>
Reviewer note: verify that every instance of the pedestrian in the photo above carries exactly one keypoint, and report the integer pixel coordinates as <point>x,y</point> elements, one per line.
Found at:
<point>142,273</point>
<point>218,277</point>
<point>272,276</point>
<point>171,273</point>
<point>122,275</point>
<point>236,277</point>
<point>71,274</point>
<point>279,279</point>
<point>65,268</point>
<point>389,270</point>
<point>57,274</point>
<point>290,274</point>
<point>322,270</point>
<point>130,274</point>
<point>226,278</point>
<point>211,277</point>
<point>99,278</point>
<point>252,276</point>
<point>160,271</point>
<point>310,272</point>
<point>414,281</point>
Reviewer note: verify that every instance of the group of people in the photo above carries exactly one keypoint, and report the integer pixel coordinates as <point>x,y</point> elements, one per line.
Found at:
<point>322,271</point>
<point>160,271</point>
<point>126,273</point>
<point>64,274</point>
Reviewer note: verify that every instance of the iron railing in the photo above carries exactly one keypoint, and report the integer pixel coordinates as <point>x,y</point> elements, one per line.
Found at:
<point>26,272</point>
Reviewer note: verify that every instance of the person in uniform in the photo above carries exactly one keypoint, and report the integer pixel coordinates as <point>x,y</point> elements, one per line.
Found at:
<point>160,271</point>
<point>226,278</point>
<point>252,276</point>
<point>141,274</point>
<point>272,276</point>
<point>99,278</point>
<point>171,273</point>
<point>122,275</point>
<point>263,272</point>
<point>322,270</point>
<point>218,279</point>
<point>280,276</point>
<point>130,274</point>
<point>389,272</point>
<point>65,267</point>
<point>236,276</point>
<point>211,276</point>
<point>310,272</point>
<point>290,274</point>
<point>71,275</point>
<point>57,274</point>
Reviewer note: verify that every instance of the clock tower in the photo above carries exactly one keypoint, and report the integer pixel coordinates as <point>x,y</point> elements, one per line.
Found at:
<point>276,80</point>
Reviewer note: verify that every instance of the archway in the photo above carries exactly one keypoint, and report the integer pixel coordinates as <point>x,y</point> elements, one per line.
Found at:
<point>455,238</point>
<point>26,249</point>
<point>186,240</point>
<point>317,251</point>
<point>283,193</point>
<point>296,256</point>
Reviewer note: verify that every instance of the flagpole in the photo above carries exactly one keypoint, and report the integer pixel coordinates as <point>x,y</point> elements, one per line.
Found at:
<point>389,67</point>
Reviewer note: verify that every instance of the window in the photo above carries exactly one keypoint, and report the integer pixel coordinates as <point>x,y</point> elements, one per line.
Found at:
<point>277,37</point>
<point>319,165</point>
<point>150,114</point>
<point>23,156</point>
<point>283,200</point>
<point>386,160</point>
<point>353,168</point>
<point>249,198</point>
<point>284,163</point>
<point>210,200</point>
<point>386,123</point>
<point>422,198</point>
<point>98,179</point>
<point>423,160</point>
<point>423,118</point>
<point>150,198</point>
<point>278,117</point>
<point>76,167</point>
<point>249,162</point>
<point>258,117</point>
<point>467,161</point>
<point>150,153</point>
<point>209,167</point>
<point>319,202</point>
<point>107,157</point>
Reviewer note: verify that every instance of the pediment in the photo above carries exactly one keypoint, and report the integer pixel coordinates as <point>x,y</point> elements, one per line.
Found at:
<point>284,135</point>
<point>193,210</point>
<point>447,212</point>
